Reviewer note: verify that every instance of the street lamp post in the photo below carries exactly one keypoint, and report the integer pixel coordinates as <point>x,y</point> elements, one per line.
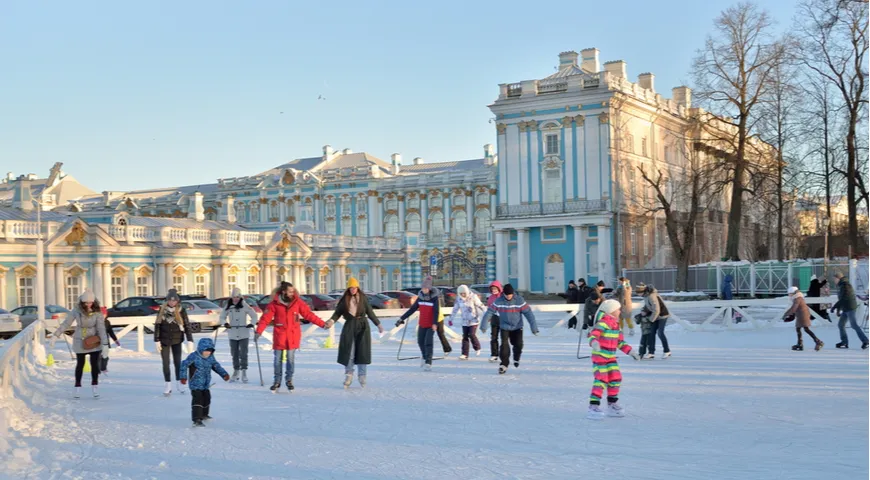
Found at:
<point>40,265</point>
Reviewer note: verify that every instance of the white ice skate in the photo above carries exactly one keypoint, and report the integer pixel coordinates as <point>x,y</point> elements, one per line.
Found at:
<point>96,391</point>
<point>427,367</point>
<point>649,356</point>
<point>362,381</point>
<point>168,390</point>
<point>493,359</point>
<point>179,387</point>
<point>244,376</point>
<point>235,377</point>
<point>463,357</point>
<point>77,393</point>
<point>422,362</point>
<point>666,355</point>
<point>502,369</point>
<point>348,379</point>
<point>595,412</point>
<point>477,353</point>
<point>615,410</point>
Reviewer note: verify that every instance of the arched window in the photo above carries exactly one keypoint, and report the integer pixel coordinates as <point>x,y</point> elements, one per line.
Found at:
<point>392,203</point>
<point>413,223</point>
<point>435,200</point>
<point>414,202</point>
<point>273,211</point>
<point>436,224</point>
<point>330,226</point>
<point>481,223</point>
<point>240,212</point>
<point>364,279</point>
<point>346,226</point>
<point>460,224</point>
<point>391,226</point>
<point>362,226</point>
<point>360,204</point>
<point>255,212</point>
<point>330,207</point>
<point>458,199</point>
<point>482,198</point>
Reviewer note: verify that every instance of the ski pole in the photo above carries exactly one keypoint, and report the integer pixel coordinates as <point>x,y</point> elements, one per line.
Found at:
<point>259,367</point>
<point>579,343</point>
<point>71,356</point>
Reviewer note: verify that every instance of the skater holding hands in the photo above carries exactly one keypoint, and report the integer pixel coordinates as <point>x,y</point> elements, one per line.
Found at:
<point>355,344</point>
<point>238,318</point>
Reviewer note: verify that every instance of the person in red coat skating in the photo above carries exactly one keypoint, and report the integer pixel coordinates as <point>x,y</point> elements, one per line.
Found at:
<point>285,312</point>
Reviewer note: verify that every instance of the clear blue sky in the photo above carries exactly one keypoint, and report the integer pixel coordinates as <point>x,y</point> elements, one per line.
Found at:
<point>133,95</point>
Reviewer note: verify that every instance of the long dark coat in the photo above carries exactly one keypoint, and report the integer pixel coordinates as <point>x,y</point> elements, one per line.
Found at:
<point>355,333</point>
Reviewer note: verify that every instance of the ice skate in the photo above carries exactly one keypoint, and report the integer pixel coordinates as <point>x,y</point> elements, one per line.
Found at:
<point>96,391</point>
<point>244,376</point>
<point>819,345</point>
<point>77,393</point>
<point>666,355</point>
<point>615,410</point>
<point>595,412</point>
<point>290,386</point>
<point>477,353</point>
<point>180,387</point>
<point>842,345</point>
<point>864,345</point>
<point>463,357</point>
<point>427,367</point>
<point>207,417</point>
<point>235,377</point>
<point>275,386</point>
<point>502,369</point>
<point>422,362</point>
<point>198,423</point>
<point>648,356</point>
<point>362,381</point>
<point>348,380</point>
<point>168,390</point>
<point>517,364</point>
<point>798,347</point>
<point>493,359</point>
<point>631,333</point>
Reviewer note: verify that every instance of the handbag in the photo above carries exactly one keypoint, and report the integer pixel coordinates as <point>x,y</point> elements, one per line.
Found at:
<point>91,342</point>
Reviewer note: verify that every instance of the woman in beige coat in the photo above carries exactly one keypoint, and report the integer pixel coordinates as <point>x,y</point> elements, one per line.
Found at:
<point>89,322</point>
<point>801,315</point>
<point>623,296</point>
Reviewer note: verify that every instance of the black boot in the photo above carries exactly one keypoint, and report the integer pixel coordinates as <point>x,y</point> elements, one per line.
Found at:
<point>290,386</point>
<point>842,345</point>
<point>275,386</point>
<point>198,423</point>
<point>797,347</point>
<point>819,345</point>
<point>864,345</point>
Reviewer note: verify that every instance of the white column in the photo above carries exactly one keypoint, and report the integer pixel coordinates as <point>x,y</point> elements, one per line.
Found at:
<point>372,216</point>
<point>605,265</point>
<point>225,280</point>
<point>379,208</point>
<point>424,212</point>
<point>501,255</point>
<point>96,285</point>
<point>282,211</point>
<point>50,284</point>
<point>469,211</point>
<point>161,280</point>
<point>338,277</point>
<point>264,212</point>
<point>318,219</point>
<point>493,203</point>
<point>168,276</point>
<point>523,280</point>
<point>59,281</point>
<point>299,273</point>
<point>107,285</point>
<point>579,252</point>
<point>447,213</point>
<point>402,213</point>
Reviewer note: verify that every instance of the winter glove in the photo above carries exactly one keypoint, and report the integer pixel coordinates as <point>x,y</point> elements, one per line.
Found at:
<point>450,323</point>
<point>105,351</point>
<point>380,328</point>
<point>634,355</point>
<point>226,378</point>
<point>435,328</point>
<point>250,325</point>
<point>329,323</point>
<point>183,381</point>
<point>158,346</point>
<point>585,326</point>
<point>227,325</point>
<point>595,345</point>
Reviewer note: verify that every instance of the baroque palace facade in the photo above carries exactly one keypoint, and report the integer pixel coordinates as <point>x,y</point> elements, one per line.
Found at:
<point>560,199</point>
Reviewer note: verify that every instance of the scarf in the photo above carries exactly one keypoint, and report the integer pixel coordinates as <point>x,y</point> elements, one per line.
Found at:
<point>353,305</point>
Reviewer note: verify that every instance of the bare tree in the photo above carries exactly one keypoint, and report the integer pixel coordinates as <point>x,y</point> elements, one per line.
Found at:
<point>835,46</point>
<point>682,194</point>
<point>732,74</point>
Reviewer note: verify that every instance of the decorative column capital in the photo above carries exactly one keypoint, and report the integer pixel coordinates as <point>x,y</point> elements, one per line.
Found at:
<point>501,128</point>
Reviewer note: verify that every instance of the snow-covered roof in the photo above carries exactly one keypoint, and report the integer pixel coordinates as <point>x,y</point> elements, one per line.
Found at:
<point>462,166</point>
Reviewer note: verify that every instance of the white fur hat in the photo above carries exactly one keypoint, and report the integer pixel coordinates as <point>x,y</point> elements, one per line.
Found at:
<point>88,296</point>
<point>792,290</point>
<point>237,292</point>
<point>609,306</point>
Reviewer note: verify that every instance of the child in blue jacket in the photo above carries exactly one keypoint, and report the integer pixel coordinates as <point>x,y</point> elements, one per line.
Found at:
<point>197,367</point>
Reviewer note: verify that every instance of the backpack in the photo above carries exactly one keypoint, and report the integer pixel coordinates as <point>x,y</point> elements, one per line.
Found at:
<point>663,310</point>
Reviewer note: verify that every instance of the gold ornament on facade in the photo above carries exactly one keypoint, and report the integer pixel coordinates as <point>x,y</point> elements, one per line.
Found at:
<point>77,236</point>
<point>501,128</point>
<point>434,209</point>
<point>203,270</point>
<point>317,196</point>
<point>401,198</point>
<point>291,218</point>
<point>580,120</point>
<point>264,201</point>
<point>284,244</point>
<point>26,271</point>
<point>412,210</point>
<point>296,198</point>
<point>288,178</point>
<point>482,206</point>
<point>179,270</point>
<point>380,200</point>
<point>119,271</point>
<point>372,193</point>
<point>457,208</point>
<point>281,198</point>
<point>566,121</point>
<point>492,191</point>
<point>424,196</point>
<point>603,118</point>
<point>522,126</point>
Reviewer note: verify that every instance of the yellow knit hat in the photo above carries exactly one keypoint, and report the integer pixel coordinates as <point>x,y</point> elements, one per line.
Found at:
<point>352,282</point>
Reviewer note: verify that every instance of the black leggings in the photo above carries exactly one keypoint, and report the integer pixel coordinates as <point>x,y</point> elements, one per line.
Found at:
<point>95,367</point>
<point>176,359</point>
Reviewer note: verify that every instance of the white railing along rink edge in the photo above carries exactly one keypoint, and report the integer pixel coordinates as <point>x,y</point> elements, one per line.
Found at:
<point>28,342</point>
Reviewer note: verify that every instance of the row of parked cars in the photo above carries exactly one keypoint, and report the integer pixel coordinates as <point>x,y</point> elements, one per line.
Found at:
<point>205,313</point>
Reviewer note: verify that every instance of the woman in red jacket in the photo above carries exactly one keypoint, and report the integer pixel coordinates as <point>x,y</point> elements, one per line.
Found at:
<point>285,312</point>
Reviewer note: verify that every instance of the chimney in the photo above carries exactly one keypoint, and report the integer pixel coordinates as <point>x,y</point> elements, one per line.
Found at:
<point>682,95</point>
<point>647,81</point>
<point>568,59</point>
<point>22,198</point>
<point>10,177</point>
<point>228,210</point>
<point>589,60</point>
<point>397,163</point>
<point>327,152</point>
<point>346,151</point>
<point>106,198</point>
<point>616,68</point>
<point>488,154</point>
<point>418,161</point>
<point>194,208</point>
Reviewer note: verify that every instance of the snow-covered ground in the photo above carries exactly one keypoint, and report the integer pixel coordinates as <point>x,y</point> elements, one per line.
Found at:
<point>735,404</point>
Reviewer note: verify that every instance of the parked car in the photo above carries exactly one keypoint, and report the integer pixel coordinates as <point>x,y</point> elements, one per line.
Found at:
<point>442,294</point>
<point>448,295</point>
<point>54,315</point>
<point>202,313</point>
<point>379,301</point>
<point>406,299</point>
<point>320,301</point>
<point>249,299</point>
<point>10,324</point>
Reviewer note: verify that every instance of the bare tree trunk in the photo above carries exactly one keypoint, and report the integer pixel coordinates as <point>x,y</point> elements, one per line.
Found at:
<point>682,280</point>
<point>851,174</point>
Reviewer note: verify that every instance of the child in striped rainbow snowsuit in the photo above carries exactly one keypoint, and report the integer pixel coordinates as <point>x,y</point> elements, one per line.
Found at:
<point>605,338</point>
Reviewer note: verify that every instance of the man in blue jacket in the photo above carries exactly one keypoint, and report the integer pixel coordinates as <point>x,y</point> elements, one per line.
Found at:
<point>510,308</point>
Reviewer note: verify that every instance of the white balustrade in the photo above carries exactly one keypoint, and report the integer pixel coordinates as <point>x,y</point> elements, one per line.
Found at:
<point>232,237</point>
<point>118,232</point>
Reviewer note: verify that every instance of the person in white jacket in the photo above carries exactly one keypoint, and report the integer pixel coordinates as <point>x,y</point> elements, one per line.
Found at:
<point>238,318</point>
<point>469,309</point>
